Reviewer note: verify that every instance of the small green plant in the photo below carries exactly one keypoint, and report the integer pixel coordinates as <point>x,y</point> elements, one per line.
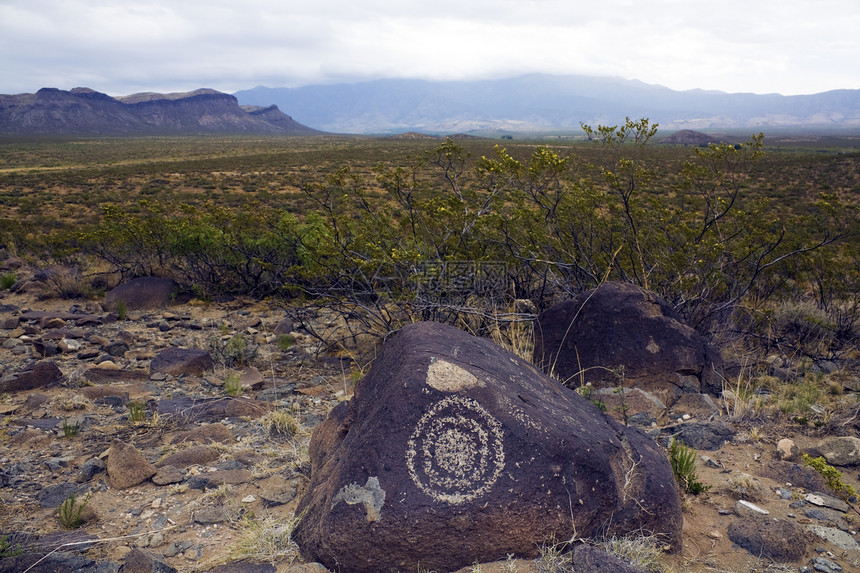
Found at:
<point>285,342</point>
<point>70,430</point>
<point>136,412</point>
<point>9,550</point>
<point>683,461</point>
<point>233,385</point>
<point>234,351</point>
<point>121,309</point>
<point>7,280</point>
<point>832,476</point>
<point>71,510</point>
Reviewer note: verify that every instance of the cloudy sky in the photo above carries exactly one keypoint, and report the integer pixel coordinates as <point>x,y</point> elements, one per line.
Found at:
<point>126,46</point>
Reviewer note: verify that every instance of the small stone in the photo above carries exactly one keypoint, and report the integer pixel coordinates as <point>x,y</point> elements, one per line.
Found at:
<point>786,449</point>
<point>823,500</point>
<point>783,493</point>
<point>249,499</point>
<point>210,515</point>
<point>167,475</point>
<point>746,508</point>
<point>826,565</point>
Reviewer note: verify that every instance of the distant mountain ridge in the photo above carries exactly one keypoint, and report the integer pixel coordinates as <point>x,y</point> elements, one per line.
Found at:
<point>82,111</point>
<point>540,102</point>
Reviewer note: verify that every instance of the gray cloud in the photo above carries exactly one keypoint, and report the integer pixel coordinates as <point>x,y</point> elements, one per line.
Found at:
<point>787,46</point>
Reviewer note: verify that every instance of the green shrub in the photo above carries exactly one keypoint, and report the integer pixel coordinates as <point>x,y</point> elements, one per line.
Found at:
<point>9,550</point>
<point>832,476</point>
<point>136,412</point>
<point>71,510</point>
<point>70,430</point>
<point>683,461</point>
<point>233,385</point>
<point>7,280</point>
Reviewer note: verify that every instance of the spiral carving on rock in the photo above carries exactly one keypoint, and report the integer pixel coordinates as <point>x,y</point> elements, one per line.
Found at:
<point>455,454</point>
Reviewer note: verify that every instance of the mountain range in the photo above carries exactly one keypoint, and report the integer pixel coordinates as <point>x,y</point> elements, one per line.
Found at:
<point>527,104</point>
<point>83,111</point>
<point>546,103</point>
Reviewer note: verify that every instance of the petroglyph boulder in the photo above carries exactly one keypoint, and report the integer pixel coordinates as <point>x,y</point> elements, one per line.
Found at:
<point>454,450</point>
<point>620,334</point>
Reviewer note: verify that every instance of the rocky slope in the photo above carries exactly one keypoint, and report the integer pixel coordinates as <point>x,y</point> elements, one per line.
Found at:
<point>82,111</point>
<point>193,469</point>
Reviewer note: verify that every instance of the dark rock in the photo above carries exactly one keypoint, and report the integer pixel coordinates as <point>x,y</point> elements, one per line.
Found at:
<point>89,469</point>
<point>126,466</point>
<point>232,477</point>
<point>179,361</point>
<point>38,375</point>
<point>212,515</point>
<point>285,326</point>
<point>197,455</point>
<point>769,539</point>
<point>188,410</point>
<point>621,326</point>
<point>798,475</point>
<point>45,349</point>
<point>206,434</point>
<point>589,559</point>
<point>117,349</point>
<point>841,450</point>
<point>146,293</point>
<point>140,561</point>
<point>244,567</point>
<point>41,423</point>
<point>700,406</point>
<point>58,562</point>
<point>55,495</point>
<point>110,375</point>
<point>78,540</point>
<point>702,435</point>
<point>825,565</point>
<point>167,475</point>
<point>452,442</point>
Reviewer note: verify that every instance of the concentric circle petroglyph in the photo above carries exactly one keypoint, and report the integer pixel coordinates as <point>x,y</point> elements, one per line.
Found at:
<point>455,453</point>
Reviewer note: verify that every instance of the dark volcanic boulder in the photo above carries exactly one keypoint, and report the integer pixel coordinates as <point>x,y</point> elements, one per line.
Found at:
<point>179,361</point>
<point>37,375</point>
<point>454,450</point>
<point>620,334</point>
<point>146,293</point>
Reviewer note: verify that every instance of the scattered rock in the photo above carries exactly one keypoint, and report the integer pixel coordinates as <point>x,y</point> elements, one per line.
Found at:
<point>37,375</point>
<point>179,361</point>
<point>589,559</point>
<point>197,455</point>
<point>244,567</point>
<point>824,500</point>
<point>787,450</point>
<point>167,475</point>
<point>145,293</point>
<point>841,450</point>
<point>621,326</point>
<point>126,466</point>
<point>188,410</point>
<point>212,515</point>
<point>825,565</point>
<point>451,441</point>
<point>748,509</point>
<point>835,536</point>
<point>206,434</point>
<point>708,436</point>
<point>140,561</point>
<point>768,538</point>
